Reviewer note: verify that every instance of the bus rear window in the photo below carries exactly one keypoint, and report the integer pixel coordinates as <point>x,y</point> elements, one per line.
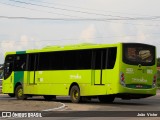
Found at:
<point>136,54</point>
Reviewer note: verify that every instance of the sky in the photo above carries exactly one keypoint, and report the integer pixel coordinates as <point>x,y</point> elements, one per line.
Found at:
<point>34,24</point>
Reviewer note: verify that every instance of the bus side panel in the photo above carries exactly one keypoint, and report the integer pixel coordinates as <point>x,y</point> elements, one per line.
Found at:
<point>112,80</point>
<point>18,77</point>
<point>88,90</point>
<point>59,82</point>
<point>56,82</point>
<point>8,84</point>
<point>112,75</point>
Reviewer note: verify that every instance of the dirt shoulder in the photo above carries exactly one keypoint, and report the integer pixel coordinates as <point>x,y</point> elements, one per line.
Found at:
<point>36,104</point>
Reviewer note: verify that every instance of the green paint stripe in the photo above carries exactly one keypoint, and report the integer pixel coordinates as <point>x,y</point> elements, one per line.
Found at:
<point>18,77</point>
<point>20,52</point>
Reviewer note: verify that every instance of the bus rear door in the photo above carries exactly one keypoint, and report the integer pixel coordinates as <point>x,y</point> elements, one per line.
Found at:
<point>98,64</point>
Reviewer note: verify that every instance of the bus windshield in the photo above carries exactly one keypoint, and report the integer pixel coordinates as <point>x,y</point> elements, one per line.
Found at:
<point>136,54</point>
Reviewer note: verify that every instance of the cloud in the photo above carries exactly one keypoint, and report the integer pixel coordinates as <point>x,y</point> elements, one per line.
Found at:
<point>24,39</point>
<point>88,34</point>
<point>13,45</point>
<point>118,32</point>
<point>6,46</point>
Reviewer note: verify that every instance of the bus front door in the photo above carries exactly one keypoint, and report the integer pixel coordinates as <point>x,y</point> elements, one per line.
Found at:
<point>8,81</point>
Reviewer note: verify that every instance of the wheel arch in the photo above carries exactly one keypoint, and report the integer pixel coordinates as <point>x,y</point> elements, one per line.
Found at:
<point>16,85</point>
<point>74,83</point>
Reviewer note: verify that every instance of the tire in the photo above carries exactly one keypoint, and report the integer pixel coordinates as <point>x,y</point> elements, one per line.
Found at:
<point>75,94</point>
<point>49,97</point>
<point>11,95</point>
<point>106,98</point>
<point>19,93</point>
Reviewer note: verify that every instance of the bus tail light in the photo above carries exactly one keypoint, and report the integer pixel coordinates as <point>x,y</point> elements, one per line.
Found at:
<point>154,81</point>
<point>122,79</point>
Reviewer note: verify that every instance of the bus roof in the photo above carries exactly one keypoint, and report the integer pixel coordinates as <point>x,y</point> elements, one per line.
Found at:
<point>68,47</point>
<point>72,47</point>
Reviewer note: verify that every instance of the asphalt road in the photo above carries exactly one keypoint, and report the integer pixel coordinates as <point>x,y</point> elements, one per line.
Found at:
<point>64,108</point>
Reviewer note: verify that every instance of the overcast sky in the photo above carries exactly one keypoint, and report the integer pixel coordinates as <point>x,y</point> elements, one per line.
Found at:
<point>77,21</point>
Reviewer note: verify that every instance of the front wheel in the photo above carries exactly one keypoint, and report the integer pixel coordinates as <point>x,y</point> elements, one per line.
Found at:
<point>19,93</point>
<point>75,94</point>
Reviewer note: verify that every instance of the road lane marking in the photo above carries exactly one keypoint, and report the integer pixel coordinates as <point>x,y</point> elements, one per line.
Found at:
<point>56,109</point>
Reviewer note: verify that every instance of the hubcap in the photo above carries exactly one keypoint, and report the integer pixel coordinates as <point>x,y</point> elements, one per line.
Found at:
<point>75,95</point>
<point>20,92</point>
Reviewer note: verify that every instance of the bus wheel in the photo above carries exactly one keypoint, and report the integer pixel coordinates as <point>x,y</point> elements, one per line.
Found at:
<point>75,94</point>
<point>106,98</point>
<point>11,95</point>
<point>19,93</point>
<point>49,97</point>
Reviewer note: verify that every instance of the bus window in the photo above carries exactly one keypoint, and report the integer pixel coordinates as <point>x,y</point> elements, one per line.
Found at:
<point>83,59</point>
<point>139,54</point>
<point>112,53</point>
<point>69,60</point>
<point>104,58</point>
<point>50,61</point>
<point>99,57</point>
<point>20,62</point>
<point>32,62</point>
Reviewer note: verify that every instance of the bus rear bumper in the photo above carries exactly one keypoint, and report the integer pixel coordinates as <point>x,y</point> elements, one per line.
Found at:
<point>130,93</point>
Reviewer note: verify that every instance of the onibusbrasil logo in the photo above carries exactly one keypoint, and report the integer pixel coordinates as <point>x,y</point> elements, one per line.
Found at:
<point>21,114</point>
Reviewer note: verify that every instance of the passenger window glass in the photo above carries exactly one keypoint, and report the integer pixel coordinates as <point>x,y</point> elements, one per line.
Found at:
<point>112,54</point>
<point>135,54</point>
<point>20,62</point>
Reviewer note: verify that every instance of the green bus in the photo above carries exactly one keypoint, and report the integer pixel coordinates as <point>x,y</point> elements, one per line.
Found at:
<point>84,71</point>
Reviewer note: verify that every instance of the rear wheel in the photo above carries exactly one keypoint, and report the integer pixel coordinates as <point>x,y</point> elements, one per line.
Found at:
<point>75,94</point>
<point>49,97</point>
<point>106,98</point>
<point>19,93</point>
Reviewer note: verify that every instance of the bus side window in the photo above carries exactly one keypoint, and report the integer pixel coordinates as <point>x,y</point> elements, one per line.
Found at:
<point>112,53</point>
<point>83,59</point>
<point>20,62</point>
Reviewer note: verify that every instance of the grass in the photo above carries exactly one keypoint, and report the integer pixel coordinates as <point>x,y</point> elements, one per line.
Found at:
<point>158,79</point>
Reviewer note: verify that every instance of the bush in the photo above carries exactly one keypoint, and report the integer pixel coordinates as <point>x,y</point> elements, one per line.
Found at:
<point>158,82</point>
